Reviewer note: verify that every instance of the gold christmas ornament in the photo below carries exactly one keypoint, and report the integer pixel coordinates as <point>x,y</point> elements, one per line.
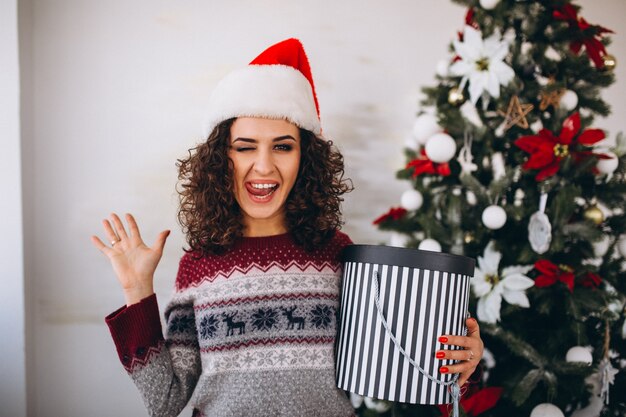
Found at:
<point>455,96</point>
<point>516,114</point>
<point>594,214</point>
<point>609,62</point>
<point>551,98</point>
<point>468,238</point>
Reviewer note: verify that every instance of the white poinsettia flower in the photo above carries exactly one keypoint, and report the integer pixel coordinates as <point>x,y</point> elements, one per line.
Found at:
<point>491,285</point>
<point>482,64</point>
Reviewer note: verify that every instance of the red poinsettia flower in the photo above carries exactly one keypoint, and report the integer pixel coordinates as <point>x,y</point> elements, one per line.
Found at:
<point>393,214</point>
<point>478,402</point>
<point>591,39</point>
<point>423,165</point>
<point>546,150</point>
<point>551,274</point>
<point>591,280</point>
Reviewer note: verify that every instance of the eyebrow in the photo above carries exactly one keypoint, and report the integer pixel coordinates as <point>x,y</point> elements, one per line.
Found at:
<point>277,139</point>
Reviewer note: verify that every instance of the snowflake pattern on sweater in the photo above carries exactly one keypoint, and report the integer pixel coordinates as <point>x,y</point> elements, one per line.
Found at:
<point>249,332</point>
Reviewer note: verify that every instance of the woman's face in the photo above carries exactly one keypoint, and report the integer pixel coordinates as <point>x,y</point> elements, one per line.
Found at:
<point>266,158</point>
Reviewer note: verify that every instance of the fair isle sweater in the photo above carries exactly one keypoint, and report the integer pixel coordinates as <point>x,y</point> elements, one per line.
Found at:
<point>248,333</point>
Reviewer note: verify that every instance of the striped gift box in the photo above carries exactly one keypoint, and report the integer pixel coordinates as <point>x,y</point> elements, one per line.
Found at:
<point>421,295</point>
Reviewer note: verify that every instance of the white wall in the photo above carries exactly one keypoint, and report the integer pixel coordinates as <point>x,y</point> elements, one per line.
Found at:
<point>12,345</point>
<point>116,93</point>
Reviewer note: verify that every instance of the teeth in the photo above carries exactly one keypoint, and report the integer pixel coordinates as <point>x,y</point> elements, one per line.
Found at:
<point>262,186</point>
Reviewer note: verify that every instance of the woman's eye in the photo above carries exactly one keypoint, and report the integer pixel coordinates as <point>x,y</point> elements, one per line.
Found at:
<point>284,147</point>
<point>242,149</point>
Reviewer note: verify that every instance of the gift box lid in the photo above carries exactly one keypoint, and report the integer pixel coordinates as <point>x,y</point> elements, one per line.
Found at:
<point>407,257</point>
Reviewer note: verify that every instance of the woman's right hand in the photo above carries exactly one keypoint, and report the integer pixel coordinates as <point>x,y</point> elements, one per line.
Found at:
<point>134,263</point>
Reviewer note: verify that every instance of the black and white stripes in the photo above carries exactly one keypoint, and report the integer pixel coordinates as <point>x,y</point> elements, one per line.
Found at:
<point>419,305</point>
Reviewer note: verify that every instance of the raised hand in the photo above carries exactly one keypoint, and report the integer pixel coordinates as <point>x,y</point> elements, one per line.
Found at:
<point>133,262</point>
<point>469,357</point>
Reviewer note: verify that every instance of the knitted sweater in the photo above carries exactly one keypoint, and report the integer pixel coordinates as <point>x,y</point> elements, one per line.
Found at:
<point>248,333</point>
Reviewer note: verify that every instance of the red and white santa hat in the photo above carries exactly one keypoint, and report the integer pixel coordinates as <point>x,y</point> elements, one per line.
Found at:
<point>276,85</point>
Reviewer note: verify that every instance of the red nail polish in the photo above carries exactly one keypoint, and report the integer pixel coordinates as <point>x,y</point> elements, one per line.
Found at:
<point>443,339</point>
<point>443,369</point>
<point>440,355</point>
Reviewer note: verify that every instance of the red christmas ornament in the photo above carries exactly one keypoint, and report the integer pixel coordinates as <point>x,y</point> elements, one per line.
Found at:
<point>551,274</point>
<point>546,150</point>
<point>586,34</point>
<point>393,214</point>
<point>423,165</point>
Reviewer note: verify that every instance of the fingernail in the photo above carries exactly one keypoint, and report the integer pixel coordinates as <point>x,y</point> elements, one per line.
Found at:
<point>440,355</point>
<point>443,339</point>
<point>443,369</point>
<point>472,319</point>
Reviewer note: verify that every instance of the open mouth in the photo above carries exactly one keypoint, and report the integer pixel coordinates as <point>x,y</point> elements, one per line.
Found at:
<point>261,192</point>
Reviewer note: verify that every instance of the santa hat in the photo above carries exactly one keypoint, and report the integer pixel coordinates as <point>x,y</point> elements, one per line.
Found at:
<point>276,85</point>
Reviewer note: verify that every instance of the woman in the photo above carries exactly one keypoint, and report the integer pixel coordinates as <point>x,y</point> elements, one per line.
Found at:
<point>250,329</point>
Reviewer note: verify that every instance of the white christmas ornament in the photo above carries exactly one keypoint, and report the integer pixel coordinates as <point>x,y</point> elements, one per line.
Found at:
<point>569,100</point>
<point>482,64</point>
<point>494,217</point>
<point>552,54</point>
<point>430,245</point>
<point>470,113</point>
<point>608,166</point>
<point>471,198</point>
<point>519,197</point>
<point>497,166</point>
<point>425,126</point>
<point>546,410</point>
<point>398,239</point>
<point>411,200</point>
<point>536,126</point>
<point>440,148</point>
<point>491,286</point>
<point>356,400</point>
<point>489,4</point>
<point>621,246</point>
<point>601,246</point>
<point>377,405</point>
<point>539,228</point>
<point>579,354</point>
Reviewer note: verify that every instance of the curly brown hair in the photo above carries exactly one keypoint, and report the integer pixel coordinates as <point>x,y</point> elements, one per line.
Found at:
<point>211,217</point>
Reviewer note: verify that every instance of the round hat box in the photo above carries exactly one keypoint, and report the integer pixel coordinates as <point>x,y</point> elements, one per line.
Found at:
<point>395,303</point>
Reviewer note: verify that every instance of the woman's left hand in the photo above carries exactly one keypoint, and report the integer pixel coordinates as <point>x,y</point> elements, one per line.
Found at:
<point>469,357</point>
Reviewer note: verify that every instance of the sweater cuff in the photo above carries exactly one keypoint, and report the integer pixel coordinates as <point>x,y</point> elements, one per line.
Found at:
<point>136,330</point>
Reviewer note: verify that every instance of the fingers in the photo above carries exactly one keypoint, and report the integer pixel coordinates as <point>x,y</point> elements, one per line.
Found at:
<point>472,327</point>
<point>469,357</point>
<point>160,242</point>
<point>99,245</point>
<point>132,225</point>
<point>119,227</point>
<point>108,230</point>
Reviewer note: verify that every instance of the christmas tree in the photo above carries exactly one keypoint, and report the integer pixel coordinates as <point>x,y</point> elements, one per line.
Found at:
<point>507,167</point>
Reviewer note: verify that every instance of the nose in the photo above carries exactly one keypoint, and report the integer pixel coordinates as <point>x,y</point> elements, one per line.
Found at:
<point>264,164</point>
